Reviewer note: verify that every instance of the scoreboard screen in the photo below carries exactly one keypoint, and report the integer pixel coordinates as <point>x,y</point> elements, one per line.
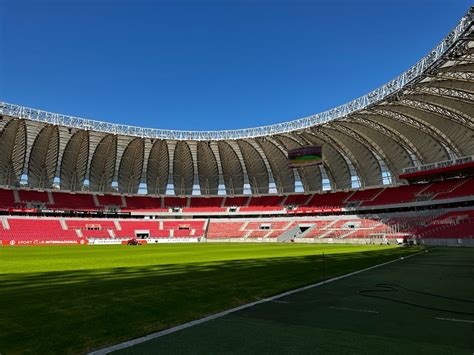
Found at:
<point>306,156</point>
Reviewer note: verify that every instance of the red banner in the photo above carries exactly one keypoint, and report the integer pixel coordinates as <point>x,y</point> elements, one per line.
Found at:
<point>20,242</point>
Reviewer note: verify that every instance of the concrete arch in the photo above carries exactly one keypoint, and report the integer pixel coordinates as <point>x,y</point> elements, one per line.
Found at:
<point>183,170</point>
<point>459,137</point>
<point>426,139</point>
<point>208,170</point>
<point>256,168</point>
<point>44,158</point>
<point>131,165</point>
<point>369,169</point>
<point>13,152</point>
<point>379,153</point>
<point>284,177</point>
<point>369,122</point>
<point>102,168</point>
<point>74,161</point>
<point>158,168</point>
<point>232,169</point>
<point>396,155</point>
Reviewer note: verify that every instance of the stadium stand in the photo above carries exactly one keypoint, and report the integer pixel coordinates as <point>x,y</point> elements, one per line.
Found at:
<point>110,200</point>
<point>73,201</point>
<point>28,196</point>
<point>173,202</point>
<point>465,188</point>
<point>431,224</point>
<point>297,200</point>
<point>330,199</point>
<point>7,199</point>
<point>206,201</point>
<point>264,201</point>
<point>386,196</point>
<point>364,195</point>
<point>236,201</point>
<point>396,195</point>
<point>226,230</point>
<point>144,203</point>
<point>35,228</point>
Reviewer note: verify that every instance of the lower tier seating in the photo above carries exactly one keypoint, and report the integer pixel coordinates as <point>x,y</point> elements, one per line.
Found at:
<point>428,224</point>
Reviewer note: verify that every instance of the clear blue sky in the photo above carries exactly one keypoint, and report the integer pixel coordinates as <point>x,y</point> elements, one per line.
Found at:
<point>209,64</point>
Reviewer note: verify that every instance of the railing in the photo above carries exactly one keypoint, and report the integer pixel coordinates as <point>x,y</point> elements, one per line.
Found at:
<point>439,165</point>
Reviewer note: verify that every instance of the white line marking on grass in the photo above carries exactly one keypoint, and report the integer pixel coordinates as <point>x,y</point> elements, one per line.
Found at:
<point>177,328</point>
<point>274,301</point>
<point>456,320</point>
<point>355,310</point>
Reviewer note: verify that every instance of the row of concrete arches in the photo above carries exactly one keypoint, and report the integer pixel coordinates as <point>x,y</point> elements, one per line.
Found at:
<point>364,145</point>
<point>47,154</point>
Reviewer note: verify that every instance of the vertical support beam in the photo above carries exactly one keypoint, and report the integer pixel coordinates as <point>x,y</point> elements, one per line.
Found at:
<point>215,150</point>
<point>193,148</point>
<point>236,148</point>
<point>171,148</point>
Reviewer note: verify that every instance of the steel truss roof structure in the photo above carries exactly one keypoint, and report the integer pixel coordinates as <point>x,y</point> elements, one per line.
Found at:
<point>423,116</point>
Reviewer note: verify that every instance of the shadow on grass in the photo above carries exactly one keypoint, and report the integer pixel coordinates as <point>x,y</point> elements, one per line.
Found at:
<point>75,311</point>
<point>19,282</point>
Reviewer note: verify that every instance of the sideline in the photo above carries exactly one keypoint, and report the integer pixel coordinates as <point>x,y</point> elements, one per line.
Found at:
<point>177,328</point>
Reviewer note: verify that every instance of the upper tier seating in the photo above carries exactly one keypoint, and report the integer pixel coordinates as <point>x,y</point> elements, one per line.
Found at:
<point>204,209</point>
<point>236,201</point>
<point>328,201</point>
<point>464,189</point>
<point>394,195</point>
<point>7,199</point>
<point>80,201</point>
<point>266,201</point>
<point>334,199</point>
<point>205,204</point>
<point>260,208</point>
<point>442,186</point>
<point>296,200</point>
<point>206,201</point>
<point>172,202</point>
<point>33,196</point>
<point>110,200</point>
<point>364,195</point>
<point>144,203</point>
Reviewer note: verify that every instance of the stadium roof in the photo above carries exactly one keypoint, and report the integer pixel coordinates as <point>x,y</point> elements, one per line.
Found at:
<point>424,115</point>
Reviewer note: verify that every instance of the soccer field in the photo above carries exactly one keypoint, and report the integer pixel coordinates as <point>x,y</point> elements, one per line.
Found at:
<point>75,299</point>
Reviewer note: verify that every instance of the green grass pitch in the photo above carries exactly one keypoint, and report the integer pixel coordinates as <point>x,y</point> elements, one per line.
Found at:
<point>75,299</point>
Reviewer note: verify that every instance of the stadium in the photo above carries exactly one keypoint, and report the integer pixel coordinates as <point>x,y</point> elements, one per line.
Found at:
<point>127,235</point>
